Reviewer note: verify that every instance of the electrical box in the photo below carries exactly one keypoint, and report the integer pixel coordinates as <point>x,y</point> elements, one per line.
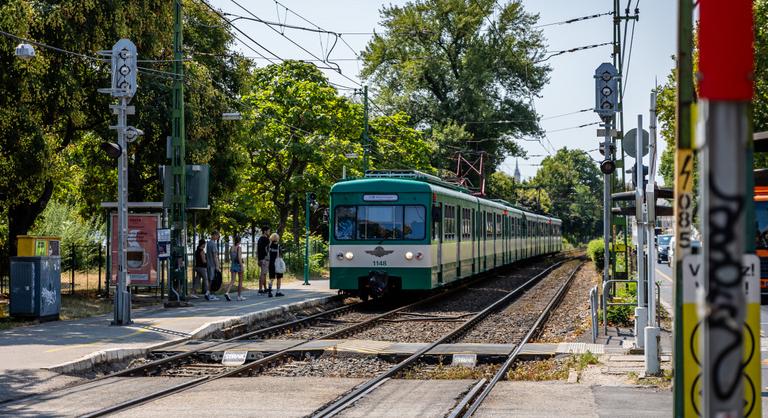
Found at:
<point>34,245</point>
<point>197,186</point>
<point>35,287</point>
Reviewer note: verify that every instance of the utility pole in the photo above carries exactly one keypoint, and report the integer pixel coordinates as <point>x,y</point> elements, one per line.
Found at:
<point>177,278</point>
<point>726,89</point>
<point>618,62</point>
<point>366,139</point>
<point>310,200</point>
<point>684,318</point>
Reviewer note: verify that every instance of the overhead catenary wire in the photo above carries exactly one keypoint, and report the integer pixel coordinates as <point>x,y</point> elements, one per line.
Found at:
<point>568,51</point>
<point>625,78</point>
<point>233,26</point>
<point>574,20</point>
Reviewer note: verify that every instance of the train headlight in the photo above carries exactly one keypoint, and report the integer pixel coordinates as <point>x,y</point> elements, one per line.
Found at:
<point>349,255</point>
<point>340,256</point>
<point>409,256</point>
<point>419,255</point>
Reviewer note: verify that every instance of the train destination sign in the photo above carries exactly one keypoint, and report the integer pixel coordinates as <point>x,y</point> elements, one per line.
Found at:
<point>380,197</point>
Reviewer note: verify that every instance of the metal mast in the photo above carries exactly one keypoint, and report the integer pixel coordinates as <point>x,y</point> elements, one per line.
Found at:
<point>177,285</point>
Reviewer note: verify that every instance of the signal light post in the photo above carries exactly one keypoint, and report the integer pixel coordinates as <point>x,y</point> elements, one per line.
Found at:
<point>124,62</point>
<point>606,99</point>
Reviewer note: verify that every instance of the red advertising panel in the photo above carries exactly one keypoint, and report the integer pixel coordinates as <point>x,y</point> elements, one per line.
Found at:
<point>141,249</point>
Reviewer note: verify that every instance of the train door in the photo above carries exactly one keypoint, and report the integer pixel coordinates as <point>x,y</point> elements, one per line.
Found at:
<point>437,237</point>
<point>473,238</point>
<point>458,231</point>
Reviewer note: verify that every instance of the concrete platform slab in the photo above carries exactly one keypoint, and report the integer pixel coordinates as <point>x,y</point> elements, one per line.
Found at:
<point>558,399</point>
<point>263,397</point>
<point>88,398</point>
<point>410,398</point>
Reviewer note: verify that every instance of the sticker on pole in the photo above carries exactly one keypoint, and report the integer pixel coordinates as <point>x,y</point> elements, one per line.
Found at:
<point>234,358</point>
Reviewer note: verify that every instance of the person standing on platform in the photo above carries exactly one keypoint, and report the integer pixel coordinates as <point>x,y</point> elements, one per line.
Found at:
<point>201,272</point>
<point>261,252</point>
<point>236,270</point>
<point>212,259</point>
<point>275,254</point>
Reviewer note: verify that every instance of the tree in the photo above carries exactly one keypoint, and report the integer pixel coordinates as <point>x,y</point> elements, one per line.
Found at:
<point>527,194</point>
<point>52,120</point>
<point>296,135</point>
<point>574,183</point>
<point>665,102</point>
<point>449,62</point>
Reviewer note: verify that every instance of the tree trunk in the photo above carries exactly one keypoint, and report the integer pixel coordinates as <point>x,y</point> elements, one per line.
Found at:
<point>296,227</point>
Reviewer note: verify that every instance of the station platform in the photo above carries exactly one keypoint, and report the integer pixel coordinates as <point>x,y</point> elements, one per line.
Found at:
<point>37,353</point>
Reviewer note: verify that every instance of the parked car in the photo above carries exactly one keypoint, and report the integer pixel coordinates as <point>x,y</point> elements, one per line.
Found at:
<point>662,246</point>
<point>695,249</point>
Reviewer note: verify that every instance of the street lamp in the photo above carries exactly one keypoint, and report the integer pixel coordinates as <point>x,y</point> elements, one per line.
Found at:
<point>25,51</point>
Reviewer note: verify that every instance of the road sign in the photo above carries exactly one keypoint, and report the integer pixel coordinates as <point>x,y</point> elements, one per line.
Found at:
<point>606,90</point>
<point>630,145</point>
<point>693,295</point>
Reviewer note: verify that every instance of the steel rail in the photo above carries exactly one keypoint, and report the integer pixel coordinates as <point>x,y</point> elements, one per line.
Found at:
<point>361,390</point>
<point>470,404</point>
<point>280,356</point>
<point>156,364</point>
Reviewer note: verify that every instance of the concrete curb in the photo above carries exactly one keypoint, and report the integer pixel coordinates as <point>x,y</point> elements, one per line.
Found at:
<point>92,360</point>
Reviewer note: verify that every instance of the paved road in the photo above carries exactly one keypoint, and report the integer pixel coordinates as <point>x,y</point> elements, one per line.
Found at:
<point>664,275</point>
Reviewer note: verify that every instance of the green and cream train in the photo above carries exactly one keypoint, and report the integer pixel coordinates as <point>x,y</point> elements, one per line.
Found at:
<point>405,230</point>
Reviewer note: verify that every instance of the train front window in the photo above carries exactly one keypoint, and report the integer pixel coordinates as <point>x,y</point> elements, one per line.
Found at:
<point>372,222</point>
<point>761,218</point>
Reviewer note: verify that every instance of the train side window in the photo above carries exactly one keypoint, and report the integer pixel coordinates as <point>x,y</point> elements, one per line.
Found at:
<point>498,225</point>
<point>488,225</point>
<point>449,224</point>
<point>466,224</point>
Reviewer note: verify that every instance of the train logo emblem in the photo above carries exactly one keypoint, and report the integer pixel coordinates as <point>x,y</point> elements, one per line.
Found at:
<point>379,252</point>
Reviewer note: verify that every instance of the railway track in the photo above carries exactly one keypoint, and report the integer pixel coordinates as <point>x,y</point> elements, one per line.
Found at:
<point>186,364</point>
<point>480,391</point>
<point>371,385</point>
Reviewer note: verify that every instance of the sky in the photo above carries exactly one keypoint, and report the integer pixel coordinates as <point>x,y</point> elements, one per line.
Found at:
<point>570,88</point>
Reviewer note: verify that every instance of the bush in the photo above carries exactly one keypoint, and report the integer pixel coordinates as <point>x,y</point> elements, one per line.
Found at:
<point>566,244</point>
<point>596,252</point>
<point>63,220</point>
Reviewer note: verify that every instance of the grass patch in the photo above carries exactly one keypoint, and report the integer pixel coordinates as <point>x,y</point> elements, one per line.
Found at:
<point>448,372</point>
<point>664,381</point>
<point>551,369</point>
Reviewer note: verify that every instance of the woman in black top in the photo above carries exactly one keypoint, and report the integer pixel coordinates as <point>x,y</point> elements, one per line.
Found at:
<point>201,271</point>
<point>274,253</point>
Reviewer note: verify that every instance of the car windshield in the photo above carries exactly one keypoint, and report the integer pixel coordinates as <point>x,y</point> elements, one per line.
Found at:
<point>374,222</point>
<point>664,239</point>
<point>761,225</point>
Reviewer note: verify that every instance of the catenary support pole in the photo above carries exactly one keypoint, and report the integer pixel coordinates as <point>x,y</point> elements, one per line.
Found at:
<point>306,238</point>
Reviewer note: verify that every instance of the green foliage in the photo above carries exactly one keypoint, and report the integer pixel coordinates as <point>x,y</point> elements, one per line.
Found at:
<point>52,120</point>
<point>621,315</point>
<point>596,252</point>
<point>441,63</point>
<point>84,235</point>
<point>525,195</point>
<point>666,99</point>
<point>574,184</point>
